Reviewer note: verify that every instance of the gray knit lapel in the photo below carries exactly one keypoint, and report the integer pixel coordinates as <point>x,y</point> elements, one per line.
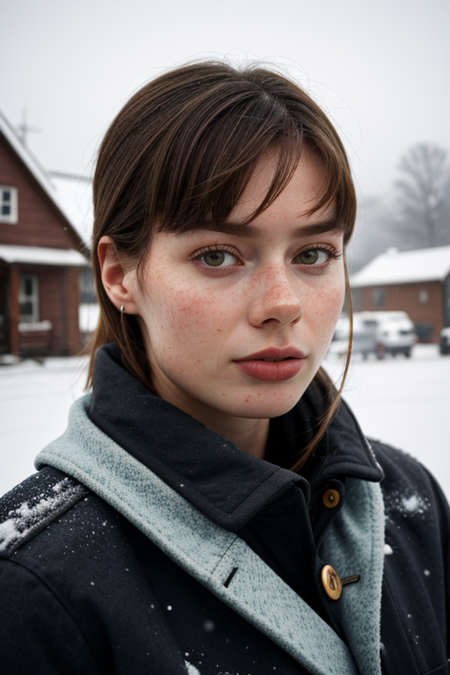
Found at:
<point>218,559</point>
<point>355,545</point>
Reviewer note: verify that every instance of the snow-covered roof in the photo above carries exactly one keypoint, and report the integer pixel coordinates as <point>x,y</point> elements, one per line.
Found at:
<point>75,195</point>
<point>41,176</point>
<point>402,267</point>
<point>42,256</point>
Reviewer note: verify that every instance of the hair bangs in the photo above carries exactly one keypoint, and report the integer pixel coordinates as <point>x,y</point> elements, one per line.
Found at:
<point>210,175</point>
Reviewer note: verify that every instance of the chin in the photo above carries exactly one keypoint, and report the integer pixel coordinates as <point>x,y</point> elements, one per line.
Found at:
<point>265,406</point>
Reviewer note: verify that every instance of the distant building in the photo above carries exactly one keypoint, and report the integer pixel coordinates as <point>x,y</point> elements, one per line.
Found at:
<point>417,282</point>
<point>41,255</point>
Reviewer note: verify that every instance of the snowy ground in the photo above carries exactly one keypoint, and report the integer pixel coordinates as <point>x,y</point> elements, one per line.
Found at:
<point>34,404</point>
<point>403,401</point>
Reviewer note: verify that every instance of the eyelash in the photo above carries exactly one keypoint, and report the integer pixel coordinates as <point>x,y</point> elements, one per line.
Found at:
<point>216,247</point>
<point>330,250</point>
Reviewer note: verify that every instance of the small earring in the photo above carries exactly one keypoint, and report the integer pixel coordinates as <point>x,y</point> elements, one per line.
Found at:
<point>122,309</point>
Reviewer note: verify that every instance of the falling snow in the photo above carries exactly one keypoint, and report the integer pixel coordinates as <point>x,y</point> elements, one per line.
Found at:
<point>406,505</point>
<point>413,504</point>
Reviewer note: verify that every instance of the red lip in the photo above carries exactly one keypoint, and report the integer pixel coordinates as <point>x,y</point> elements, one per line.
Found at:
<point>271,371</point>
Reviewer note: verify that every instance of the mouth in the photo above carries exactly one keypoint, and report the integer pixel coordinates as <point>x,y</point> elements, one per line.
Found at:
<point>274,360</point>
<point>272,365</point>
<point>273,354</point>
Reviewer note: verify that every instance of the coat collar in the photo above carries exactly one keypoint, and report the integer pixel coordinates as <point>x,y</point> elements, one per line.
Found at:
<point>190,458</point>
<point>218,559</point>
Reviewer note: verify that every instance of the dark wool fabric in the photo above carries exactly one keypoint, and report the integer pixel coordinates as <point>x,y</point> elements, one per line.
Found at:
<point>83,591</point>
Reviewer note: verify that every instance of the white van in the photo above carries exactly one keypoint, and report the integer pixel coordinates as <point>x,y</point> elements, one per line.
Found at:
<point>378,333</point>
<point>395,332</point>
<point>364,337</point>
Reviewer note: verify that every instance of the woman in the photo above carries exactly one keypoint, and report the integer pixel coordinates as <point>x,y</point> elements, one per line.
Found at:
<point>213,506</point>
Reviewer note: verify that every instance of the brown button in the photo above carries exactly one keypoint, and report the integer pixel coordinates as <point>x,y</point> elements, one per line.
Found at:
<point>331,498</point>
<point>331,582</point>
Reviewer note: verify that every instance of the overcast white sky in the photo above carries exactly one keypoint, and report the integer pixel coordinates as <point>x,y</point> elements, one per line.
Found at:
<point>380,68</point>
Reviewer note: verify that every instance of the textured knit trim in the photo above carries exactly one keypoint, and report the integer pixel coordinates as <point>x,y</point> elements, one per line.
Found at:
<point>354,544</point>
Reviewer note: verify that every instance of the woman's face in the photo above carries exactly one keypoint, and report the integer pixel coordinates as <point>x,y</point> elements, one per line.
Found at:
<point>218,305</point>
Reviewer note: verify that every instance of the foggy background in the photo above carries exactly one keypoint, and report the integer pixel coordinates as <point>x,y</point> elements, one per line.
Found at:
<point>380,70</point>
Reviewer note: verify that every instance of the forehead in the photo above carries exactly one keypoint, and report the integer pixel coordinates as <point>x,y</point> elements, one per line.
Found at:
<point>297,199</point>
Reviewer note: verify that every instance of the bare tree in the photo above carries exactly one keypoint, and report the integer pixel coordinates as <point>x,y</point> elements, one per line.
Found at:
<point>423,194</point>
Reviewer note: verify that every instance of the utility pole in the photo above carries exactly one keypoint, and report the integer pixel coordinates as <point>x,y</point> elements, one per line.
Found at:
<point>24,128</point>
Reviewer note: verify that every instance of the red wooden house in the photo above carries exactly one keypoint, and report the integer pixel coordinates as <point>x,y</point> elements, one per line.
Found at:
<point>417,282</point>
<point>41,255</point>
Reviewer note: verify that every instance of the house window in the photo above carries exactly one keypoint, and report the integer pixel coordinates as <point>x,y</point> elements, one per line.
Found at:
<point>87,287</point>
<point>9,212</point>
<point>379,297</point>
<point>29,298</point>
<point>423,296</point>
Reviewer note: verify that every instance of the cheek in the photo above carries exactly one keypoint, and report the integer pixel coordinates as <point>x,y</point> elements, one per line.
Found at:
<point>189,317</point>
<point>325,308</point>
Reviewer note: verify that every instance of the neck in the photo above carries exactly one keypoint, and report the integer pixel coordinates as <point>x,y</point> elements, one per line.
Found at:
<point>249,435</point>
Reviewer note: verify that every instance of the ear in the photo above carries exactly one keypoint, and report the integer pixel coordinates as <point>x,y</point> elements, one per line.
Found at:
<point>118,284</point>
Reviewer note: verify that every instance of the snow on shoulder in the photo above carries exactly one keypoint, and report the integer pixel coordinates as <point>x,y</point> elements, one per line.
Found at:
<point>36,511</point>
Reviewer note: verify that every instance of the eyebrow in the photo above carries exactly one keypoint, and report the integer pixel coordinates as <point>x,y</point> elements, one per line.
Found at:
<point>248,231</point>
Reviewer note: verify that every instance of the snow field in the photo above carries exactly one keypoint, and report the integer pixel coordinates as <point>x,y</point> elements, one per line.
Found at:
<point>34,407</point>
<point>405,402</point>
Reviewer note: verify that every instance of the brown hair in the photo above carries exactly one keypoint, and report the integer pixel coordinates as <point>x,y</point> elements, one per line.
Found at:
<point>183,149</point>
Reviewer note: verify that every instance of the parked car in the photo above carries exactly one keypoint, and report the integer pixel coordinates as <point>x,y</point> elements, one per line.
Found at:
<point>378,333</point>
<point>395,332</point>
<point>339,342</point>
<point>364,337</point>
<point>444,342</point>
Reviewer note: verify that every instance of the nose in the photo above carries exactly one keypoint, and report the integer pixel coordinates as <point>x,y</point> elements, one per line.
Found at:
<point>275,299</point>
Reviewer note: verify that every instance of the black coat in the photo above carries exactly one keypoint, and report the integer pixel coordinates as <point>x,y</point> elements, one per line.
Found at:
<point>84,591</point>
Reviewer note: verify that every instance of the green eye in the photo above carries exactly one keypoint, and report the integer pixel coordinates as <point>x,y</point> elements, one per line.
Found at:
<point>313,256</point>
<point>217,257</point>
<point>214,258</point>
<point>309,257</point>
